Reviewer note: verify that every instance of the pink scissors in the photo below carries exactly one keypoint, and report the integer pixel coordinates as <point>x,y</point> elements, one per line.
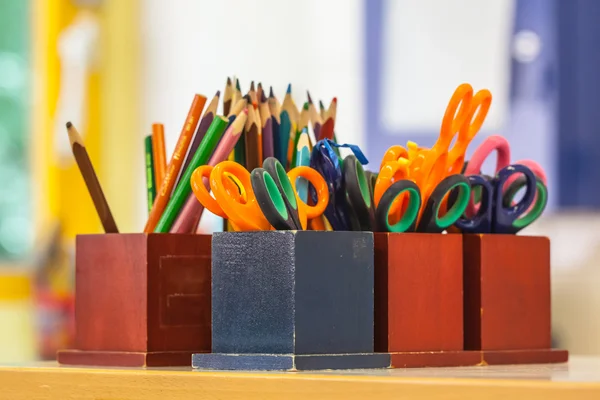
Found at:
<point>501,146</point>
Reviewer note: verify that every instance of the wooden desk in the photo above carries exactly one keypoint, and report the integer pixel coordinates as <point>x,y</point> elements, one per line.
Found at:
<point>580,379</point>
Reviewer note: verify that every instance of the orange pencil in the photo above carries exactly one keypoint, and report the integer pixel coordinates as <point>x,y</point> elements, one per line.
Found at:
<point>162,197</point>
<point>158,152</point>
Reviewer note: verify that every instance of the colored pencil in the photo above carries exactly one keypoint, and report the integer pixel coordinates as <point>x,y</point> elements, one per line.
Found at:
<point>150,182</point>
<point>303,150</point>
<point>266,123</point>
<point>279,151</point>
<point>176,162</point>
<point>259,92</point>
<point>205,123</point>
<point>314,116</point>
<point>289,106</point>
<point>322,110</point>
<point>252,93</point>
<point>227,96</point>
<point>91,180</point>
<point>189,217</point>
<point>159,153</point>
<point>239,151</point>
<point>184,189</point>
<point>252,140</point>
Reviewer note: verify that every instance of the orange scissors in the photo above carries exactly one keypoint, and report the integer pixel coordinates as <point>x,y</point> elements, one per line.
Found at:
<point>235,199</point>
<point>464,115</point>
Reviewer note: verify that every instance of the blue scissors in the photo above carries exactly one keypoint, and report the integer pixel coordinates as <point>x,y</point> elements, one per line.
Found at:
<point>497,212</point>
<point>325,160</point>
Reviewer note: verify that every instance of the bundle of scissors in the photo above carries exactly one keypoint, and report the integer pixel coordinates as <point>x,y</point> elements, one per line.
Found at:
<point>416,189</point>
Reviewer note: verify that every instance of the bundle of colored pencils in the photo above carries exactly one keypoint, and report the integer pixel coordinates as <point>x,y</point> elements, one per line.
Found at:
<point>252,128</point>
<point>256,126</point>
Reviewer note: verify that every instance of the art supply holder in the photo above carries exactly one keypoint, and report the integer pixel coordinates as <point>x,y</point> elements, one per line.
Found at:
<point>292,300</point>
<point>507,299</point>
<point>419,299</point>
<point>141,299</point>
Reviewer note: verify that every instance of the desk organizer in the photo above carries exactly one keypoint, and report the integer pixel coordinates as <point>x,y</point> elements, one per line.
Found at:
<point>292,300</point>
<point>141,299</point>
<point>419,300</point>
<point>507,299</point>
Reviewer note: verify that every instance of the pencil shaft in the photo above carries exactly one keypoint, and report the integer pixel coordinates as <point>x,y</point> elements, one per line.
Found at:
<point>267,140</point>
<point>200,132</point>
<point>174,166</point>
<point>252,148</point>
<point>190,215</point>
<point>91,180</point>
<point>150,182</point>
<point>184,188</point>
<point>159,153</point>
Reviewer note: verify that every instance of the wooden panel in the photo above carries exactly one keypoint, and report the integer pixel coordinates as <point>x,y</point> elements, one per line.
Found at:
<point>423,283</point>
<point>507,292</point>
<point>111,279</point>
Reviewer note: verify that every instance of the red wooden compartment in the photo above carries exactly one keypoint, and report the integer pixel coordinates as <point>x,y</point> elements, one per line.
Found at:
<point>419,299</point>
<point>507,298</point>
<point>141,299</point>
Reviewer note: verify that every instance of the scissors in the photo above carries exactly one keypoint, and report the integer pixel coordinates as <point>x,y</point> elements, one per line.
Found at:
<point>277,195</point>
<point>377,218</point>
<point>325,160</point>
<point>496,214</point>
<point>501,146</point>
<point>236,199</point>
<point>464,116</point>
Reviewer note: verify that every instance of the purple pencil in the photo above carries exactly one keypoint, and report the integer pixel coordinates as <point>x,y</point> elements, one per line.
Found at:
<point>189,217</point>
<point>266,128</point>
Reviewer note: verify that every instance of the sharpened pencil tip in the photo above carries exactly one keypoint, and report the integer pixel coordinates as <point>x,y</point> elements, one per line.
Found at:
<point>263,98</point>
<point>218,93</point>
<point>245,111</point>
<point>305,130</point>
<point>69,124</point>
<point>289,88</point>
<point>237,84</point>
<point>228,81</point>
<point>254,105</point>
<point>271,91</point>
<point>309,98</point>
<point>335,99</point>
<point>305,106</point>
<point>252,86</point>
<point>259,85</point>
<point>321,105</point>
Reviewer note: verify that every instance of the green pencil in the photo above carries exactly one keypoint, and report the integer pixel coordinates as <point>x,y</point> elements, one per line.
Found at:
<point>184,189</point>
<point>150,183</point>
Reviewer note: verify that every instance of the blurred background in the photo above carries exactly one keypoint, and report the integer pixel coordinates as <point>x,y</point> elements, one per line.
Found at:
<point>114,67</point>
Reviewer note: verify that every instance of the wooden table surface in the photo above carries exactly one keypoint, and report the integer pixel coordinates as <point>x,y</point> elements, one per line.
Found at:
<point>579,379</point>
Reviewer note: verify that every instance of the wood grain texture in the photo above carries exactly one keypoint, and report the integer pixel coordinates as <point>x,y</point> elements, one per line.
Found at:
<point>418,292</point>
<point>507,292</point>
<point>141,293</point>
<point>580,379</point>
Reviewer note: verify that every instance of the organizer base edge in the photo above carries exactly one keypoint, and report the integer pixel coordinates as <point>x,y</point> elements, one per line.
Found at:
<point>289,362</point>
<point>125,358</point>
<point>428,359</point>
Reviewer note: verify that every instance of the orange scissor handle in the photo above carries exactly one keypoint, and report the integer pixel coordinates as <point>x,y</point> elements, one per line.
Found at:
<point>394,153</point>
<point>246,215</point>
<point>391,172</point>
<point>478,111</point>
<point>305,211</point>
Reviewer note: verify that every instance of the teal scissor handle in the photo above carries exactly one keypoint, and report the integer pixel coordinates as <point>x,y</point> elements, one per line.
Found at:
<point>359,195</point>
<point>275,195</point>
<point>408,220</point>
<point>538,207</point>
<point>430,219</point>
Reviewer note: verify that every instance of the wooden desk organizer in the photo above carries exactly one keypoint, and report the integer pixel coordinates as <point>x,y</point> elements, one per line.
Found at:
<point>507,299</point>
<point>292,300</point>
<point>141,300</point>
<point>419,299</point>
